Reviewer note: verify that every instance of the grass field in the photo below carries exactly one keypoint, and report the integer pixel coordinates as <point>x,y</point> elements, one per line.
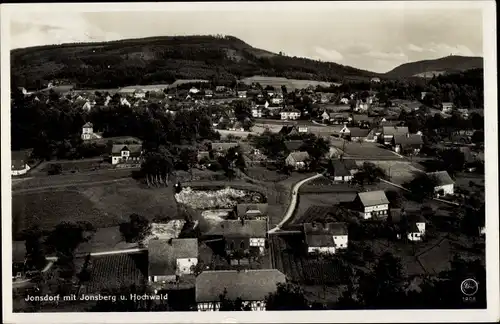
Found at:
<point>263,174</point>
<point>321,199</point>
<point>105,239</point>
<point>102,205</point>
<point>76,166</point>
<point>363,150</point>
<point>276,82</point>
<point>399,172</point>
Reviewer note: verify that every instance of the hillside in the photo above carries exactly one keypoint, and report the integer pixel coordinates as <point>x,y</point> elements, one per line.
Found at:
<point>439,66</point>
<point>160,60</point>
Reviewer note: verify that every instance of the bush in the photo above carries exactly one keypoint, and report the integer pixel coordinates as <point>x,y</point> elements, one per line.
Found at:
<point>54,169</point>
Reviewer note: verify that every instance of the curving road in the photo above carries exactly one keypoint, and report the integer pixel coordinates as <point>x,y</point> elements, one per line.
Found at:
<point>293,202</point>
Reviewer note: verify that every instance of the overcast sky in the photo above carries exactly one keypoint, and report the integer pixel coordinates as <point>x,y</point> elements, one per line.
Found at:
<point>371,39</point>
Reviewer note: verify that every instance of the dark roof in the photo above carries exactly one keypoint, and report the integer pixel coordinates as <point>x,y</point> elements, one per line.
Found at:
<point>294,145</point>
<point>135,149</point>
<point>88,125</point>
<point>413,228</point>
<point>339,169</point>
<point>249,285</point>
<point>410,139</point>
<point>237,228</point>
<point>286,129</point>
<point>442,178</point>
<point>416,217</point>
<point>338,228</point>
<point>163,254</point>
<point>373,198</point>
<point>117,271</point>
<point>251,209</point>
<point>319,240</point>
<point>19,159</point>
<point>359,132</point>
<point>394,130</point>
<point>223,146</point>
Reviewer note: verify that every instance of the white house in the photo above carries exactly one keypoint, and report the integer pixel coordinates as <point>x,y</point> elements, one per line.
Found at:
<point>251,286</point>
<point>171,258</point>
<point>345,131</point>
<point>87,106</point>
<point>344,101</point>
<point>325,115</point>
<point>194,90</point>
<point>326,238</point>
<point>242,94</point>
<point>139,93</point>
<point>124,102</point>
<point>276,100</point>
<point>87,131</point>
<point>126,153</point>
<point>290,114</point>
<point>372,203</point>
<point>444,183</point>
<point>252,211</point>
<point>375,80</point>
<point>413,226</point>
<point>446,107</point>
<point>297,160</point>
<point>19,165</point>
<point>257,112</point>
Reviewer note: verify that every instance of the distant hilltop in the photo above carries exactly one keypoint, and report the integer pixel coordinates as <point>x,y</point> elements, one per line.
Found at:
<point>428,68</point>
<point>157,60</point>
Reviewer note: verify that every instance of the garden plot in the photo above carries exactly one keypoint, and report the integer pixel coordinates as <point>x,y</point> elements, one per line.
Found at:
<point>226,198</point>
<point>172,229</point>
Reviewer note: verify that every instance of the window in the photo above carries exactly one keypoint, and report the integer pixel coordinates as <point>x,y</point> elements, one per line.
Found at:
<point>242,245</point>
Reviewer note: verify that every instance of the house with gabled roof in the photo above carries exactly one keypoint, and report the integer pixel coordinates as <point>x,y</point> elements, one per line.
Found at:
<point>87,131</point>
<point>358,134</point>
<point>251,286</point>
<point>252,211</point>
<point>19,163</point>
<point>339,172</point>
<point>241,235</point>
<point>126,153</point>
<point>219,148</point>
<point>294,145</point>
<point>297,160</point>
<point>325,238</point>
<point>372,204</point>
<point>290,113</point>
<point>172,258</point>
<point>409,143</point>
<point>444,184</point>
<point>388,132</point>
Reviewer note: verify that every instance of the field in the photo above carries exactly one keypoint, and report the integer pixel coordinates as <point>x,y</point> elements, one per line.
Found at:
<point>319,199</point>
<point>263,174</point>
<point>103,205</point>
<point>399,172</point>
<point>74,166</point>
<point>117,271</point>
<point>225,133</point>
<point>105,239</point>
<point>291,84</point>
<point>365,150</point>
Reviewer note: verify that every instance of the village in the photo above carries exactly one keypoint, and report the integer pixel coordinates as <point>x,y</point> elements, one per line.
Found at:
<point>302,186</point>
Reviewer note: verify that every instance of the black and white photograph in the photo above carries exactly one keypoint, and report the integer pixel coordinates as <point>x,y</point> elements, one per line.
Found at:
<point>190,162</point>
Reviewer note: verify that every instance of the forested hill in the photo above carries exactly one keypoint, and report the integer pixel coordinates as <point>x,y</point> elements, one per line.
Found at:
<point>438,66</point>
<point>160,60</point>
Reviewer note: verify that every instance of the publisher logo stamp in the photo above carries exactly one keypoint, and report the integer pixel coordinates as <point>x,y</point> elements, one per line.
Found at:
<point>469,287</point>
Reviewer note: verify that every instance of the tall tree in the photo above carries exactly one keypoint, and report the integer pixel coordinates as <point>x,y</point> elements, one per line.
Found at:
<point>287,297</point>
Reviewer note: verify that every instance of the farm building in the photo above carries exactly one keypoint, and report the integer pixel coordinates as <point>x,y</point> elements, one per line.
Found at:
<point>172,258</point>
<point>19,163</point>
<point>444,183</point>
<point>252,211</point>
<point>407,144</point>
<point>340,173</point>
<point>297,160</point>
<point>326,238</point>
<point>252,286</point>
<point>389,132</point>
<point>358,134</point>
<point>372,203</point>
<point>244,235</point>
<point>126,153</point>
<point>88,132</point>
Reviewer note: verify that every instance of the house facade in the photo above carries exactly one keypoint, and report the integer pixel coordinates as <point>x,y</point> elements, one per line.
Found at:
<point>252,211</point>
<point>257,112</point>
<point>251,286</point>
<point>290,114</point>
<point>170,259</point>
<point>408,144</point>
<point>87,131</point>
<point>340,173</point>
<point>446,107</point>
<point>372,204</point>
<point>126,153</point>
<point>242,94</point>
